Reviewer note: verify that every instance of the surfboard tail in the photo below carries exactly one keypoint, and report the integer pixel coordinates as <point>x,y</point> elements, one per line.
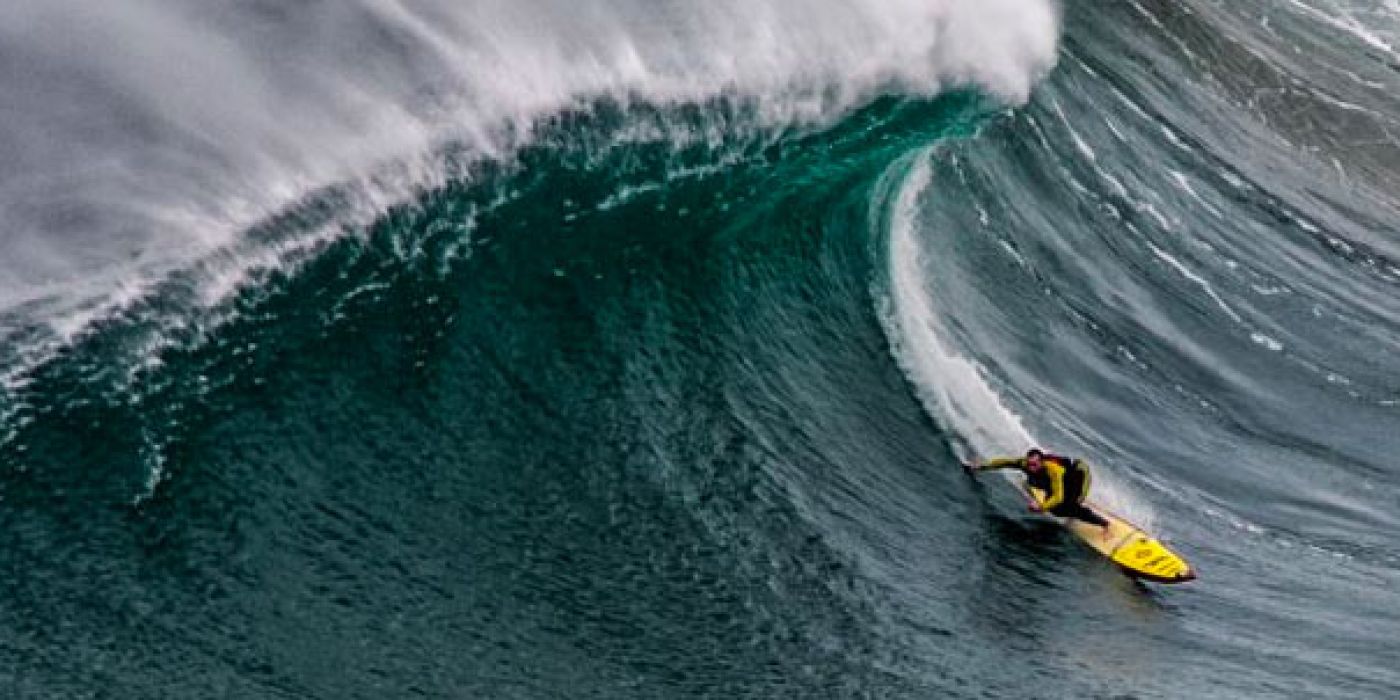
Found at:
<point>1136,552</point>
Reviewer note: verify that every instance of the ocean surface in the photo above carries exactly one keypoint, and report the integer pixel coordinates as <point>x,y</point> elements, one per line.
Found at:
<point>628,348</point>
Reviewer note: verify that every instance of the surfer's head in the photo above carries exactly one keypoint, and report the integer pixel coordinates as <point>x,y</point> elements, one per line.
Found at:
<point>1034,459</point>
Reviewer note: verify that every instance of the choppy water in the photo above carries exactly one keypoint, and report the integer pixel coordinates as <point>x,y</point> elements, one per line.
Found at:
<point>624,349</point>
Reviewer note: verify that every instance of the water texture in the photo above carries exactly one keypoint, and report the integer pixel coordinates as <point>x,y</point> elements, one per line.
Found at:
<point>628,348</point>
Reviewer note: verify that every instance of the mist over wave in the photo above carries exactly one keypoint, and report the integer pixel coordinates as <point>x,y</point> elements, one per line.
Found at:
<point>628,349</point>
<point>141,137</point>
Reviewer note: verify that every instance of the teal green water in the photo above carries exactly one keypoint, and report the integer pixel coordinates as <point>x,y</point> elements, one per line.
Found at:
<point>669,403</point>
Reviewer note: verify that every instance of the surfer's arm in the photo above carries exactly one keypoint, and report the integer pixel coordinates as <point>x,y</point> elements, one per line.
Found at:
<point>1001,463</point>
<point>1057,486</point>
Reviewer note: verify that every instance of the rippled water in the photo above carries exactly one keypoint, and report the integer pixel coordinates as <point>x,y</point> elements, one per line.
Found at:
<point>627,349</point>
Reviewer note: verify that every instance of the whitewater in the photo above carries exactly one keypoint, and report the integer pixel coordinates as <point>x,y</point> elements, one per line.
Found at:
<point>401,348</point>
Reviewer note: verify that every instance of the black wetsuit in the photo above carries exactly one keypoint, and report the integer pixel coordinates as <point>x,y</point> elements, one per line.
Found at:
<point>1076,489</point>
<point>1074,478</point>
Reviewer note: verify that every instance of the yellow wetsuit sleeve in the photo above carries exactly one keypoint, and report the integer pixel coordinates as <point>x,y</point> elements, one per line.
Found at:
<point>1057,485</point>
<point>1002,463</point>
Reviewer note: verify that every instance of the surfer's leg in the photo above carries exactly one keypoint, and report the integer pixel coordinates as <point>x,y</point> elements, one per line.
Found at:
<point>1092,518</point>
<point>1076,490</point>
<point>1079,512</point>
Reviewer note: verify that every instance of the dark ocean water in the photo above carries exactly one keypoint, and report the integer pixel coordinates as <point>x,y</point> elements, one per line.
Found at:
<point>663,396</point>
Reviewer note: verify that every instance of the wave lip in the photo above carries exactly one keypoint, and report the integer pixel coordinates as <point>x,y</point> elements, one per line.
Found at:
<point>952,387</point>
<point>153,133</point>
<point>155,140</point>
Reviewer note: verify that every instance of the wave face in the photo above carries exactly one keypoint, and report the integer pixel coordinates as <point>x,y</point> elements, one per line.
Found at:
<point>627,349</point>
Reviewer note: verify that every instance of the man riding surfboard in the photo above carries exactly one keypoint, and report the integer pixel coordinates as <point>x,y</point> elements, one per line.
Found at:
<point>1064,481</point>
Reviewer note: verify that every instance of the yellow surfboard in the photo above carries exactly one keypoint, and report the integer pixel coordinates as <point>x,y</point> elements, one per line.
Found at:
<point>1139,554</point>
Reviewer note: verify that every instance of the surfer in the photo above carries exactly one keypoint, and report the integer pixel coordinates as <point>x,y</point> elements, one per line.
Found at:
<point>1064,481</point>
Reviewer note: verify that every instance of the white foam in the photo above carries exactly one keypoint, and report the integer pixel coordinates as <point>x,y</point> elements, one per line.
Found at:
<point>1183,183</point>
<point>1266,341</point>
<point>951,387</point>
<point>1200,281</point>
<point>203,122</point>
<point>150,137</point>
<point>1343,17</point>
